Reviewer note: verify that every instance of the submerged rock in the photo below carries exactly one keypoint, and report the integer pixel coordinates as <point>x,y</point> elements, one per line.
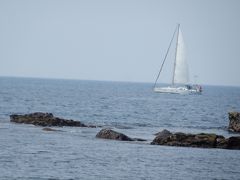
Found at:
<point>234,121</point>
<point>44,119</point>
<point>138,139</point>
<point>202,140</point>
<point>110,134</point>
<point>50,129</point>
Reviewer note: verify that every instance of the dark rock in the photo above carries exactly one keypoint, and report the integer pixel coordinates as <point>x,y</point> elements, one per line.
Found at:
<point>138,139</point>
<point>44,119</point>
<point>221,142</point>
<point>234,121</point>
<point>110,134</point>
<point>233,142</point>
<point>202,140</point>
<point>164,132</point>
<point>162,137</point>
<point>49,129</point>
<point>186,140</point>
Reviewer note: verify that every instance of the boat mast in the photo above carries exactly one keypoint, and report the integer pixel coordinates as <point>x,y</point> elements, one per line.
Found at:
<point>174,67</point>
<point>164,58</point>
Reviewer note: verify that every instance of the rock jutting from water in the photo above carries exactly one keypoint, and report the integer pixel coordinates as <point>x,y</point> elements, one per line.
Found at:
<point>50,129</point>
<point>110,134</point>
<point>202,140</point>
<point>44,119</point>
<point>234,121</point>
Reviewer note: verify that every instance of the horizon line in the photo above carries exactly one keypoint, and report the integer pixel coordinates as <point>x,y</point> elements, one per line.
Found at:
<point>100,80</point>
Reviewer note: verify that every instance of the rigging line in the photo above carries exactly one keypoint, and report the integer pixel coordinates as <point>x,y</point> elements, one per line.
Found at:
<point>165,58</point>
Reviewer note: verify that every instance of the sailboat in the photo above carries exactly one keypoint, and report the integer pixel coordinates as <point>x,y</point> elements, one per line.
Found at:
<point>180,78</point>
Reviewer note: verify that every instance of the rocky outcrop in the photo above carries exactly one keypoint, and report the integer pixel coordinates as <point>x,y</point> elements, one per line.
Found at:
<point>163,133</point>
<point>44,119</point>
<point>234,121</point>
<point>110,134</point>
<point>202,140</point>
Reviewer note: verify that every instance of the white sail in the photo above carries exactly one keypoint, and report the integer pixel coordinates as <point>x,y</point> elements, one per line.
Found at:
<point>180,75</point>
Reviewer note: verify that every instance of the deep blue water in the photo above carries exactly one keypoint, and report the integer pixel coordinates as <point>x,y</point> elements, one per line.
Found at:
<point>27,152</point>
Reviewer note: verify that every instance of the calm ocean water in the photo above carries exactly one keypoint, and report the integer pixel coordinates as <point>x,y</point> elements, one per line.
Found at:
<point>28,152</point>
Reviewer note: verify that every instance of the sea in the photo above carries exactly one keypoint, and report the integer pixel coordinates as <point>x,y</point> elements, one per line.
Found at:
<point>29,153</point>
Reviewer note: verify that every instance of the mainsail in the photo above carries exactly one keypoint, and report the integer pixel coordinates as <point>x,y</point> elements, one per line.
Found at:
<point>180,73</point>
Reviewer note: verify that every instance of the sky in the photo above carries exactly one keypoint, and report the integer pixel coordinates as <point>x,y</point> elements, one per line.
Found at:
<point>118,40</point>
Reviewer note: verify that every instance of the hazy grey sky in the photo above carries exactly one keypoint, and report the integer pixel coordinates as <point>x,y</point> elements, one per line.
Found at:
<point>122,40</point>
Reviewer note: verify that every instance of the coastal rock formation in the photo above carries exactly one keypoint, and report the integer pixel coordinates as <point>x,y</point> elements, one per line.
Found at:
<point>234,121</point>
<point>180,139</point>
<point>110,134</point>
<point>202,140</point>
<point>44,119</point>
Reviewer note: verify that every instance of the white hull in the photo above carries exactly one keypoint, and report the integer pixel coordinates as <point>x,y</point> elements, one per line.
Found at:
<point>177,90</point>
